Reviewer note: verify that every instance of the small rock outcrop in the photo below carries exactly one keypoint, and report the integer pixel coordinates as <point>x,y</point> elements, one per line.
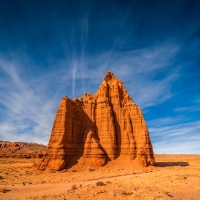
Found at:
<point>96,129</point>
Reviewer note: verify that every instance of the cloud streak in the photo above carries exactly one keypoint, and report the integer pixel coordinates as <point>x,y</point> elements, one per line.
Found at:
<point>74,78</point>
<point>30,115</point>
<point>175,135</point>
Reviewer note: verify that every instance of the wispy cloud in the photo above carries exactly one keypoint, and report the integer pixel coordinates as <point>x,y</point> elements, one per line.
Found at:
<point>31,103</point>
<point>74,78</point>
<point>29,108</point>
<point>175,135</point>
<point>138,70</point>
<point>189,109</point>
<point>84,38</point>
<point>176,147</point>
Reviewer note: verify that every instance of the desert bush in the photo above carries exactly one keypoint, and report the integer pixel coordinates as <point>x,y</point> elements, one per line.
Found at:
<point>4,190</point>
<point>90,169</point>
<point>113,194</point>
<point>100,183</point>
<point>73,187</point>
<point>122,192</point>
<point>168,194</point>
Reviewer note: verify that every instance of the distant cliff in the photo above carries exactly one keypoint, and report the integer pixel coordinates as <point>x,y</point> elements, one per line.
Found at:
<point>21,149</point>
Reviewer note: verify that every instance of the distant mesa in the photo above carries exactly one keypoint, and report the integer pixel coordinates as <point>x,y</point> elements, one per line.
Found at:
<point>21,149</point>
<point>97,130</point>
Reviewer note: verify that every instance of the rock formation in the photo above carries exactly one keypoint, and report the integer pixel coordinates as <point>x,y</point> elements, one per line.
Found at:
<point>96,129</point>
<point>21,150</point>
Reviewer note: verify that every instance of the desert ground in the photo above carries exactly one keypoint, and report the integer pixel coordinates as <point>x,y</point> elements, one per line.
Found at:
<point>174,177</point>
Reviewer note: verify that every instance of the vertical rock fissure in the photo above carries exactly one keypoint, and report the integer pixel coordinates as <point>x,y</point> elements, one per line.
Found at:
<point>117,149</point>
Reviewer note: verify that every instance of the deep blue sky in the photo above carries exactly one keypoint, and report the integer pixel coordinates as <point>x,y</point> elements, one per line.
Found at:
<point>49,49</point>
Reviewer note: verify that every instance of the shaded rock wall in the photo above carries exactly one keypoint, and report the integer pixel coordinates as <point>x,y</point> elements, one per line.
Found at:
<point>95,129</point>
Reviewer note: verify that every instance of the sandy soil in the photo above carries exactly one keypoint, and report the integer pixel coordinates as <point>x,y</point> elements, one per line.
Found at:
<point>174,177</point>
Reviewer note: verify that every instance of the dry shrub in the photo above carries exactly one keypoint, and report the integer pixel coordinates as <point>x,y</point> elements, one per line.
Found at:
<point>4,190</point>
<point>122,192</point>
<point>168,194</point>
<point>113,194</point>
<point>73,187</point>
<point>100,183</point>
<point>90,169</point>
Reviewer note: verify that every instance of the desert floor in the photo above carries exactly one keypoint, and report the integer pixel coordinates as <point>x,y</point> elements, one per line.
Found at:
<point>174,177</point>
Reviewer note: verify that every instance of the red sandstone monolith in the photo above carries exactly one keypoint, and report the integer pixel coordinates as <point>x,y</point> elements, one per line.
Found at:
<point>96,129</point>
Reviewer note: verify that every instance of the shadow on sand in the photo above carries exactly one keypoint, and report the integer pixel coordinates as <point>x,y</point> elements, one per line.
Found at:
<point>171,164</point>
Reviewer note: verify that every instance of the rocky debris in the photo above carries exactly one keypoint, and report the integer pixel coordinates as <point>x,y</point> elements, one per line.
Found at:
<point>94,130</point>
<point>21,149</point>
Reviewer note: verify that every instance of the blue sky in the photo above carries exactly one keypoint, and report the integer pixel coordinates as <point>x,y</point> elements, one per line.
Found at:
<point>49,49</point>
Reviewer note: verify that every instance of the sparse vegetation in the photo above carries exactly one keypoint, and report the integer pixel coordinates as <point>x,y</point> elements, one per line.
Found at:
<point>168,194</point>
<point>90,169</point>
<point>4,190</point>
<point>113,194</point>
<point>100,183</point>
<point>73,187</point>
<point>121,191</point>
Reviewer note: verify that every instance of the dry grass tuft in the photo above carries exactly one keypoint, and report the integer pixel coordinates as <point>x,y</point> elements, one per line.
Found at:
<point>100,183</point>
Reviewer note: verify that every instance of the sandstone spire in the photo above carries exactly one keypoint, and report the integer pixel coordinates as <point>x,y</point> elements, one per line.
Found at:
<point>96,129</point>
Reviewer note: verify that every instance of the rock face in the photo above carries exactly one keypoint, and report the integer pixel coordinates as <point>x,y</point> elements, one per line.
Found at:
<point>21,149</point>
<point>96,129</point>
